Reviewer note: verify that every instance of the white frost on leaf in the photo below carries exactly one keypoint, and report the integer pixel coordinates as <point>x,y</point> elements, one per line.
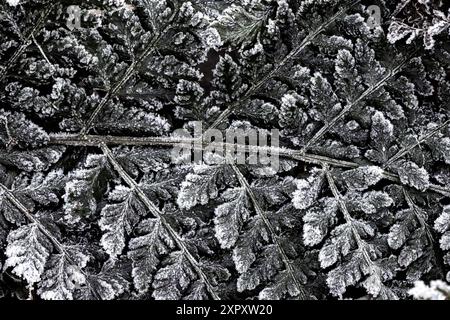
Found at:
<point>413,175</point>
<point>308,190</point>
<point>203,185</point>
<point>172,280</point>
<point>230,216</point>
<point>118,219</point>
<point>363,177</point>
<point>442,225</point>
<point>27,251</point>
<point>61,278</point>
<point>317,221</point>
<point>145,251</point>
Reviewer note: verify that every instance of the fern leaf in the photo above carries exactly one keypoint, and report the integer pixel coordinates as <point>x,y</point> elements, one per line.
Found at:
<point>108,284</point>
<point>308,190</point>
<point>413,175</point>
<point>173,280</point>
<point>231,216</point>
<point>79,197</point>
<point>119,218</point>
<point>145,251</point>
<point>363,177</point>
<point>204,184</point>
<point>61,277</point>
<point>28,251</point>
<point>442,225</point>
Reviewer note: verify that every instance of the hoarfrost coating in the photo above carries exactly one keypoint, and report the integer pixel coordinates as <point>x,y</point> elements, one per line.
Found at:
<point>350,98</point>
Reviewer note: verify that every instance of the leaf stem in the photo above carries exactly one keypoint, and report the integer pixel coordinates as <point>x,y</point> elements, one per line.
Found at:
<point>95,140</point>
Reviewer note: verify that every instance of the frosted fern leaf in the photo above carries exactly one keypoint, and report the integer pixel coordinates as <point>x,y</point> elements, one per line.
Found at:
<point>230,217</point>
<point>63,275</point>
<point>28,251</point>
<point>308,190</point>
<point>119,218</point>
